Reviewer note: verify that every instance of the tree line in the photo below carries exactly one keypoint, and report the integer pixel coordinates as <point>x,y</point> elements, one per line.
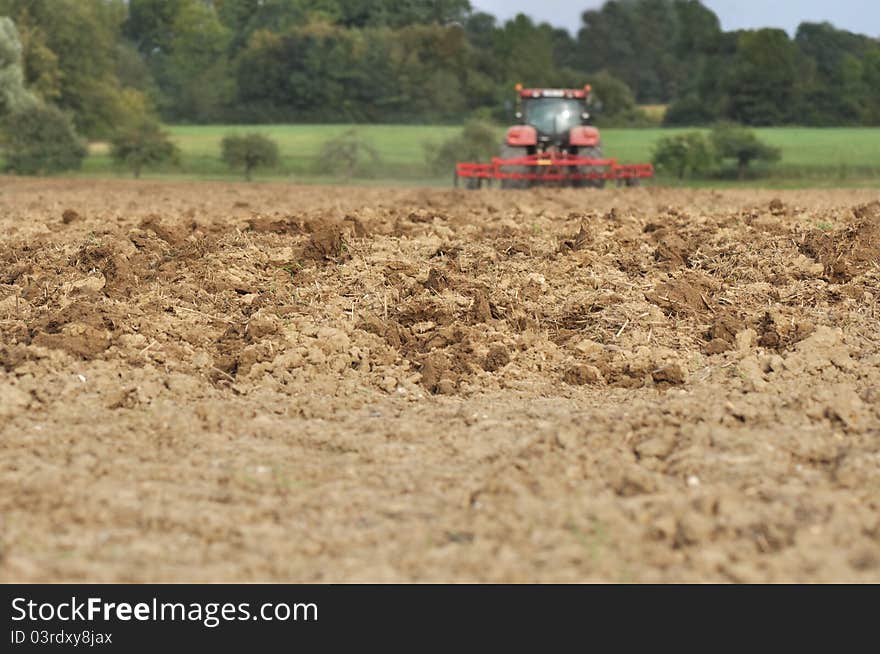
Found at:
<point>114,63</point>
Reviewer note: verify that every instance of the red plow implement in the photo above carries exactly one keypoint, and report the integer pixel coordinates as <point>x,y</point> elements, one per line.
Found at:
<point>551,168</point>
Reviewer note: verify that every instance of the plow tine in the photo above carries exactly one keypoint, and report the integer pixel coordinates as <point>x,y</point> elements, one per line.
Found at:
<point>554,168</point>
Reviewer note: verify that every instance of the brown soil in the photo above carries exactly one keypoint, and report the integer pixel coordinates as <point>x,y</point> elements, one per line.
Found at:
<point>274,383</point>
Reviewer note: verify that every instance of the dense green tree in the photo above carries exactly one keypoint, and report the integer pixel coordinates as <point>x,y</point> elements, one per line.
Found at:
<point>41,140</point>
<point>524,52</point>
<point>150,24</point>
<point>245,17</point>
<point>70,57</point>
<point>829,46</point>
<point>134,73</point>
<point>480,28</point>
<point>652,45</point>
<point>326,72</point>
<point>302,74</point>
<point>852,90</point>
<point>193,70</point>
<point>37,138</point>
<point>760,84</point>
<point>614,96</point>
<point>702,98</point>
<point>871,68</point>
<point>14,97</point>
<point>431,63</point>
<point>43,73</point>
<point>698,30</point>
<point>690,110</point>
<point>832,78</point>
<point>186,46</point>
<point>109,63</point>
<point>394,13</point>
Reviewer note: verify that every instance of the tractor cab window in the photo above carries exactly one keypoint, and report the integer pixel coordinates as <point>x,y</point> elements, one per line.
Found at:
<point>553,116</point>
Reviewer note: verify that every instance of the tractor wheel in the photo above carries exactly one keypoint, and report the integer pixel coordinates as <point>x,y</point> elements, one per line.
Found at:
<point>470,183</point>
<point>593,153</point>
<point>512,152</point>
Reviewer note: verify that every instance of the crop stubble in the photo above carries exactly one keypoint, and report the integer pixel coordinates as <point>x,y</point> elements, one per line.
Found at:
<point>233,382</point>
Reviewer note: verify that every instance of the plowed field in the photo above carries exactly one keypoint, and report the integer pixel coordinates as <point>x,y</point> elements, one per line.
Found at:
<point>212,382</point>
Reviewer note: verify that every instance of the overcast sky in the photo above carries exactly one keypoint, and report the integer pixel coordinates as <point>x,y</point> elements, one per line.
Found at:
<point>861,16</point>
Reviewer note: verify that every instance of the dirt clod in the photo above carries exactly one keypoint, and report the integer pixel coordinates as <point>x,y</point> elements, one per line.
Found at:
<point>327,243</point>
<point>69,216</point>
<point>673,373</point>
<point>498,357</point>
<point>580,374</point>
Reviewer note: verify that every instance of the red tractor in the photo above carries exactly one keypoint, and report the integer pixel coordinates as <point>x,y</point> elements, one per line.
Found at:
<point>555,143</point>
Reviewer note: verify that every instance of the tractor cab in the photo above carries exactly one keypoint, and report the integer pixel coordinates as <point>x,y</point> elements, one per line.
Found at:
<point>554,113</point>
<point>553,120</point>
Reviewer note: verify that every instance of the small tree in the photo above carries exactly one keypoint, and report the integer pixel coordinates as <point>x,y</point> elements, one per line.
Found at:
<point>685,155</point>
<point>348,154</point>
<point>743,146</point>
<point>141,145</point>
<point>41,140</point>
<point>478,141</point>
<point>249,152</point>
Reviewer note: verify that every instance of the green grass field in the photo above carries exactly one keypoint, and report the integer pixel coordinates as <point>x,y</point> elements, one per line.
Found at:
<point>810,157</point>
